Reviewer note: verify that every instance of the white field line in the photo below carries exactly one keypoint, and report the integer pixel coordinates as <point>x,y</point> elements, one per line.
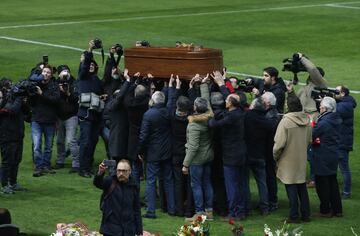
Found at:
<point>341,6</point>
<point>81,50</point>
<point>170,16</point>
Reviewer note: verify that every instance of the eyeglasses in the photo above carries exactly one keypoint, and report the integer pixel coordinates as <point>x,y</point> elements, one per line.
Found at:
<point>122,170</point>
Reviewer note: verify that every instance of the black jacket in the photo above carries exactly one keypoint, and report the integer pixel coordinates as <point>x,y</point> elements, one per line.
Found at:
<point>88,83</point>
<point>257,129</point>
<point>155,135</point>
<point>233,140</point>
<point>44,107</point>
<point>68,104</point>
<point>121,214</point>
<point>12,121</point>
<point>119,125</point>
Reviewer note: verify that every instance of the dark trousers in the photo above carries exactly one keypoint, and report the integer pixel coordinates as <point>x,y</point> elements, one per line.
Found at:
<point>184,202</point>
<point>297,193</point>
<point>89,135</point>
<point>11,155</point>
<point>327,189</point>
<point>271,182</point>
<point>218,180</point>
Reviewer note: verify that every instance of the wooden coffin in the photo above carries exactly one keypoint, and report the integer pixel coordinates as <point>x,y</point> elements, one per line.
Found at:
<point>162,62</point>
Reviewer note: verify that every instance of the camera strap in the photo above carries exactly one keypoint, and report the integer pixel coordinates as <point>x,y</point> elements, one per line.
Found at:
<point>102,55</point>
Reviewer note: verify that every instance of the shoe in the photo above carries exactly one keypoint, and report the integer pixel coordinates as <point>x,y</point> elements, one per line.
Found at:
<point>18,188</point>
<point>273,207</point>
<point>146,215</point>
<point>292,220</point>
<point>85,174</point>
<point>209,215</point>
<point>37,173</point>
<point>324,215</point>
<point>338,214</point>
<point>48,170</point>
<point>59,166</point>
<point>193,218</point>
<point>306,220</point>
<point>265,213</point>
<point>345,196</point>
<point>310,184</point>
<point>172,214</point>
<point>7,190</point>
<point>74,170</point>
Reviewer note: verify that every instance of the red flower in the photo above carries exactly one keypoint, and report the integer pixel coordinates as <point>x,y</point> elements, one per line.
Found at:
<point>192,232</point>
<point>231,221</point>
<point>157,234</point>
<point>199,218</point>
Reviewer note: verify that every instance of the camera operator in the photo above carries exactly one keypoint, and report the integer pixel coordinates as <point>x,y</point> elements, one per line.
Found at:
<point>345,105</point>
<point>271,82</point>
<point>315,79</point>
<point>11,136</point>
<point>90,119</point>
<point>43,120</point>
<point>68,121</point>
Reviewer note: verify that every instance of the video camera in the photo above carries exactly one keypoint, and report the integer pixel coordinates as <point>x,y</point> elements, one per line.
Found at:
<point>294,65</point>
<point>317,93</point>
<point>245,86</point>
<point>26,88</point>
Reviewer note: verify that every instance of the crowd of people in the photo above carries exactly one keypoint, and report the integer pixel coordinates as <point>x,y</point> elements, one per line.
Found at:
<point>195,142</point>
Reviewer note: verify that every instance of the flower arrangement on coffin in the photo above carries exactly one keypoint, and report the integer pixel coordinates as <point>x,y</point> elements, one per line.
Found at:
<point>77,229</point>
<point>198,227</point>
<point>145,233</point>
<point>284,231</point>
<point>237,230</point>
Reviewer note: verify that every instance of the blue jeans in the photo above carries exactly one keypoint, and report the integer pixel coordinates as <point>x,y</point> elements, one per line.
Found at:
<point>89,136</point>
<point>67,138</point>
<point>42,158</point>
<point>153,170</point>
<point>236,190</point>
<point>200,176</point>
<point>298,193</point>
<point>345,170</point>
<point>259,172</point>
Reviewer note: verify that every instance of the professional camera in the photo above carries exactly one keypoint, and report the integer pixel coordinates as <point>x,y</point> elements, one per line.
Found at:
<point>119,49</point>
<point>245,86</point>
<point>293,65</point>
<point>25,88</point>
<point>318,93</point>
<point>97,43</point>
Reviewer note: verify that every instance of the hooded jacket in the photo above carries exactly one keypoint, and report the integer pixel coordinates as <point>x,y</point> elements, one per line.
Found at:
<point>292,138</point>
<point>345,107</point>
<point>198,140</point>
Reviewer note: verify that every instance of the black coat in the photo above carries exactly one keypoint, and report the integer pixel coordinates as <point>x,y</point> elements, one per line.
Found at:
<point>121,214</point>
<point>44,107</point>
<point>68,105</point>
<point>345,107</point>
<point>257,129</point>
<point>12,121</point>
<point>233,140</point>
<point>136,107</point>
<point>155,135</point>
<point>119,125</point>
<point>88,83</point>
<point>325,154</point>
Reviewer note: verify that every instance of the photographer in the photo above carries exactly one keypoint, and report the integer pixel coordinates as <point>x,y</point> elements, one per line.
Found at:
<point>11,137</point>
<point>68,121</point>
<point>44,116</point>
<point>89,84</point>
<point>271,82</point>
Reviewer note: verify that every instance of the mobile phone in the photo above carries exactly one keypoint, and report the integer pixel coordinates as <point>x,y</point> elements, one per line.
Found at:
<point>111,166</point>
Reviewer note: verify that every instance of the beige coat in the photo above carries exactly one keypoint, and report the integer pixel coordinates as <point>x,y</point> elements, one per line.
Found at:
<point>292,138</point>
